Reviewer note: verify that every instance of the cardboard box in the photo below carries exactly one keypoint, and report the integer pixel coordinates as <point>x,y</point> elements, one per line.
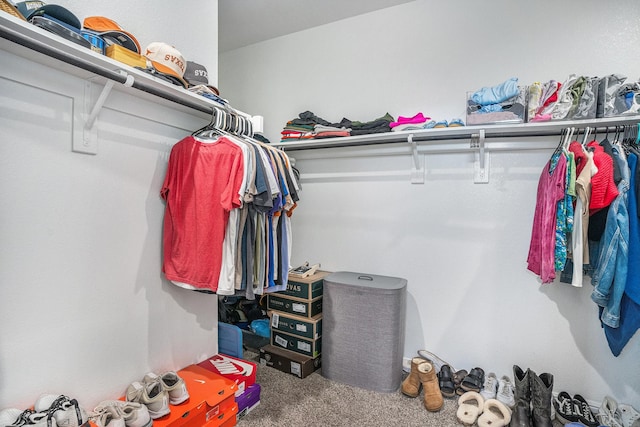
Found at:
<point>308,347</point>
<point>307,287</point>
<point>288,361</point>
<point>248,400</point>
<point>211,400</point>
<point>243,372</point>
<point>292,305</point>
<point>296,325</point>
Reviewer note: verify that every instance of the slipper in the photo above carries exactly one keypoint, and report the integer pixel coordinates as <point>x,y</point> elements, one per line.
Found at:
<point>430,124</point>
<point>441,124</point>
<point>494,414</point>
<point>470,405</point>
<point>456,123</point>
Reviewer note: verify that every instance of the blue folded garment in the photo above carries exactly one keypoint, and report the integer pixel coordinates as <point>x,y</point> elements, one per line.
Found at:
<point>496,94</point>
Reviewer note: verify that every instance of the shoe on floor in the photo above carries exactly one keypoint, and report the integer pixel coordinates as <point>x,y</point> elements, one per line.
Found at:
<point>435,360</point>
<point>564,408</point>
<point>151,395</point>
<point>608,414</point>
<point>490,386</point>
<point>172,383</point>
<point>411,385</point>
<point>583,411</point>
<point>446,382</point>
<point>494,414</point>
<point>630,417</point>
<point>506,392</point>
<point>433,400</point>
<point>28,417</point>
<point>66,411</point>
<point>108,416</point>
<point>470,406</point>
<point>134,414</point>
<point>473,381</point>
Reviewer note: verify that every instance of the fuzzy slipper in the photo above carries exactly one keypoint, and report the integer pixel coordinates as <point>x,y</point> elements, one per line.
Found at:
<point>495,414</point>
<point>470,405</point>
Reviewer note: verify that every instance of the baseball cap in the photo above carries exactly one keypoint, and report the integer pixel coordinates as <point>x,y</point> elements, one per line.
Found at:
<point>166,59</point>
<point>111,32</point>
<point>31,9</point>
<point>196,74</point>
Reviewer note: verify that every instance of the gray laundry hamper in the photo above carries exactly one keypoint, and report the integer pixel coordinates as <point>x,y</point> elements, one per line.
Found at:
<point>363,319</point>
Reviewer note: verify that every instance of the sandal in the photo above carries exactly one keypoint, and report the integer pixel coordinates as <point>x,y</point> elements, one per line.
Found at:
<point>457,379</point>
<point>494,414</point>
<point>470,405</point>
<point>445,381</point>
<point>473,381</point>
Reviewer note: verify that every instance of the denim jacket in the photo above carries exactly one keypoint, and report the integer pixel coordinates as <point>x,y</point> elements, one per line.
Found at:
<point>610,276</point>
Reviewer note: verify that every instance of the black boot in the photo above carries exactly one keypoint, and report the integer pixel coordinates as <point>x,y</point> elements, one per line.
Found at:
<point>541,389</point>
<point>522,411</point>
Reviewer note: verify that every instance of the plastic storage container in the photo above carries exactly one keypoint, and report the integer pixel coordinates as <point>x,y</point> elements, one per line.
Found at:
<point>363,330</point>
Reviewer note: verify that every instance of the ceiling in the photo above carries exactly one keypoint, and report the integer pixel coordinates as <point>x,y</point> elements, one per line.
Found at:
<point>245,22</point>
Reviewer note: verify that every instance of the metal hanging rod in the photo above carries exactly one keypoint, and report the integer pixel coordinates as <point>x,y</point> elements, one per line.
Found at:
<point>462,133</point>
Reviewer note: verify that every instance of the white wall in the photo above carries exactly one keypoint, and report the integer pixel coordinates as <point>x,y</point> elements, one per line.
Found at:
<point>462,246</point>
<point>84,307</point>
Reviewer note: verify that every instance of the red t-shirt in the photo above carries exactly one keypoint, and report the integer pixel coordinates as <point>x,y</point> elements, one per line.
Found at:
<point>201,187</point>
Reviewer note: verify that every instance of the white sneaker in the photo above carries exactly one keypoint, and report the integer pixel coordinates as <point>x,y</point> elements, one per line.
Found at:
<point>506,394</point>
<point>134,414</point>
<point>172,383</point>
<point>107,416</point>
<point>152,396</point>
<point>435,360</point>
<point>66,411</point>
<point>630,417</point>
<point>490,386</point>
<point>608,413</point>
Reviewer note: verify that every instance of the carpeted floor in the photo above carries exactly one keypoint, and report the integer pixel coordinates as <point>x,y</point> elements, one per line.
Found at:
<point>288,401</point>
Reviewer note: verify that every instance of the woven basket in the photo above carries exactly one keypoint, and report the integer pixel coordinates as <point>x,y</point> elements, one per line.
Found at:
<point>6,6</point>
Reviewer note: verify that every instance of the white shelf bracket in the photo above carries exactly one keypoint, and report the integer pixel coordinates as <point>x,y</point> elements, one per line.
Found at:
<point>481,158</point>
<point>88,143</point>
<point>417,171</point>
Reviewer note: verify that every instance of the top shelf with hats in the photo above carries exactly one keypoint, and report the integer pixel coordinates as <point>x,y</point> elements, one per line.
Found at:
<point>54,41</point>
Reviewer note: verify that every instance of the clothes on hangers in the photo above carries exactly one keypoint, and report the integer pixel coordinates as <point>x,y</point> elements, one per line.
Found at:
<point>606,207</point>
<point>237,188</point>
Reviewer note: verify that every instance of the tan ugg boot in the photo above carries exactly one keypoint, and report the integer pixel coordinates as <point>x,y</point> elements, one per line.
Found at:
<point>433,399</point>
<point>411,385</point>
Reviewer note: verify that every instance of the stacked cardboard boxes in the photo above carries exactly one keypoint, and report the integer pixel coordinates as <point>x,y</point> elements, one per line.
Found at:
<point>296,326</point>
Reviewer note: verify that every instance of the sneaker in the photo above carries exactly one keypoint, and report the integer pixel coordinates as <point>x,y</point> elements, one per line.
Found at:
<point>608,413</point>
<point>506,393</point>
<point>66,411</point>
<point>152,396</point>
<point>172,383</point>
<point>490,386</point>
<point>583,411</point>
<point>435,360</point>
<point>630,417</point>
<point>564,408</point>
<point>134,414</point>
<point>107,416</point>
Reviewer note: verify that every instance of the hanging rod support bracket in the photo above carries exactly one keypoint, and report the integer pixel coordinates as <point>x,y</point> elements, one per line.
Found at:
<point>417,171</point>
<point>481,158</point>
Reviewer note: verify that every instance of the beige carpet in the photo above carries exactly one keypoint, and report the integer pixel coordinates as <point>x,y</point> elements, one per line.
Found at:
<point>288,401</point>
